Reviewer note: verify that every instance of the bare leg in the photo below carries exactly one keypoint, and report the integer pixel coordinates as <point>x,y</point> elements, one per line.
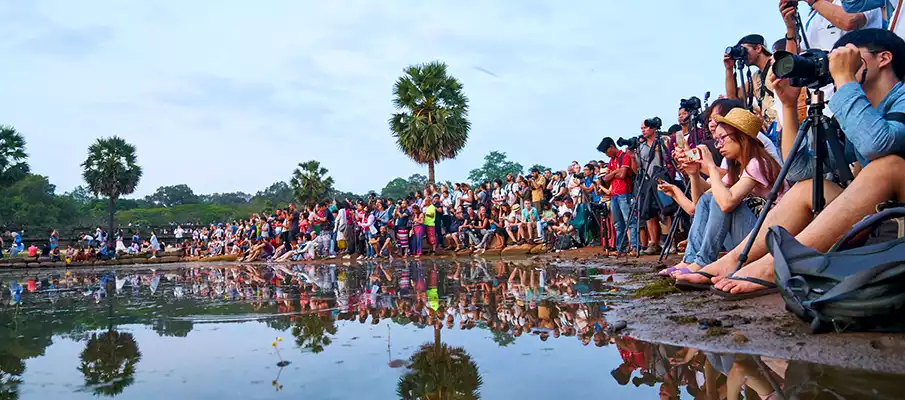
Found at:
<point>653,229</point>
<point>879,181</point>
<point>792,213</point>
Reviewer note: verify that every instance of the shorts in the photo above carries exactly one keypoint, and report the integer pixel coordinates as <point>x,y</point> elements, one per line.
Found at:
<point>431,235</point>
<point>513,229</point>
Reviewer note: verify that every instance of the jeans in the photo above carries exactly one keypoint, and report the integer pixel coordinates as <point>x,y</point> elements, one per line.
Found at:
<point>620,207</point>
<point>369,252</point>
<point>333,244</point>
<point>467,237</point>
<point>713,230</point>
<point>487,237</point>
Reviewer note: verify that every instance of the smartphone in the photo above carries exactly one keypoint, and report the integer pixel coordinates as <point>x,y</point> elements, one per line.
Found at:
<point>693,154</point>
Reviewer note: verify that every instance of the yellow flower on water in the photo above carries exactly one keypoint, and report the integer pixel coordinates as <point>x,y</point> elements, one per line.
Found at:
<point>68,274</point>
<point>274,344</point>
<point>274,383</point>
<point>279,338</point>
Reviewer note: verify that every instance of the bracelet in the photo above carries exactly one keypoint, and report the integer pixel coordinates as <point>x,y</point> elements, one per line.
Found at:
<point>791,38</point>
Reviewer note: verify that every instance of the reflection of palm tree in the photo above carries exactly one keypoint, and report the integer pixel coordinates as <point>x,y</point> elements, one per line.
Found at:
<point>438,372</point>
<point>311,332</point>
<point>11,370</point>
<point>108,362</point>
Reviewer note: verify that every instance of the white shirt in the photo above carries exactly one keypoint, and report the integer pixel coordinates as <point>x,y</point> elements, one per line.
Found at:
<point>179,232</point>
<point>768,145</point>
<point>822,34</point>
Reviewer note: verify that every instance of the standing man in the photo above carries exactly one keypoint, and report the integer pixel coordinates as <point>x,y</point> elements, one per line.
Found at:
<point>761,88</point>
<point>619,176</point>
<point>649,158</point>
<point>293,222</point>
<point>430,221</point>
<point>538,183</point>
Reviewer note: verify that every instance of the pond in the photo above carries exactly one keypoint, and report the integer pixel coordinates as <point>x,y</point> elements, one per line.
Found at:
<point>435,330</point>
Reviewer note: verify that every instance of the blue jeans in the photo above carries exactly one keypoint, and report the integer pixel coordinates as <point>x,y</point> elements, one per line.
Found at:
<point>713,230</point>
<point>621,208</point>
<point>333,244</point>
<point>369,250</point>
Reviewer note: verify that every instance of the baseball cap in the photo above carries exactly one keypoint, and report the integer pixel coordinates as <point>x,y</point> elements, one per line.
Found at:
<point>756,39</point>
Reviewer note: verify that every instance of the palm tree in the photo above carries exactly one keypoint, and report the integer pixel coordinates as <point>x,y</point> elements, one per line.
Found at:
<point>440,372</point>
<point>310,182</point>
<point>108,362</point>
<point>432,122</point>
<point>313,332</point>
<point>12,155</point>
<point>111,170</point>
<point>11,370</point>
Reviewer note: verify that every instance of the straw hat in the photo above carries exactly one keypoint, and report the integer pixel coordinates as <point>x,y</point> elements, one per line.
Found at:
<point>743,120</point>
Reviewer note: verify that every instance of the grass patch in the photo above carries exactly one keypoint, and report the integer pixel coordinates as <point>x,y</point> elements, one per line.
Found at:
<point>657,288</point>
<point>683,319</point>
<point>716,331</point>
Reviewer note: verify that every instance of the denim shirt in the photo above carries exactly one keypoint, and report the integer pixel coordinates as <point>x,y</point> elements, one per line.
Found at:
<point>868,135</point>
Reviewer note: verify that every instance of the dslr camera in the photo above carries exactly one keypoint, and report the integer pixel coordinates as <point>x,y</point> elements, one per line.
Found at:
<point>631,143</point>
<point>737,53</point>
<point>810,69</point>
<point>691,105</point>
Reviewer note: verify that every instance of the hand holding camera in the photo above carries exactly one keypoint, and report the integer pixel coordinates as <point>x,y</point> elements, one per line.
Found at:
<point>788,9</point>
<point>844,64</point>
<point>786,93</point>
<point>705,157</point>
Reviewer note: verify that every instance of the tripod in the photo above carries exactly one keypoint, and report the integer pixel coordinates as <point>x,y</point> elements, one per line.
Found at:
<point>641,181</point>
<point>820,133</point>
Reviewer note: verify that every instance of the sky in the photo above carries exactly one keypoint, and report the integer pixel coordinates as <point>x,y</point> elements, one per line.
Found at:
<point>231,95</point>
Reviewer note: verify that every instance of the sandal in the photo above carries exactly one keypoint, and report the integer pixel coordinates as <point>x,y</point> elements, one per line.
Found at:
<point>769,288</point>
<point>695,287</point>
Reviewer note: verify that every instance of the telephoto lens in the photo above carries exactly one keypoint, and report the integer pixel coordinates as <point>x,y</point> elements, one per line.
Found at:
<point>811,69</point>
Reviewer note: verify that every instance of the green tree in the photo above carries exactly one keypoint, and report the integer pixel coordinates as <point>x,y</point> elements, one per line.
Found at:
<point>277,193</point>
<point>437,371</point>
<point>310,182</point>
<point>12,155</point>
<point>112,170</point>
<point>432,123</point>
<point>11,370</point>
<point>175,195</point>
<point>496,166</point>
<point>226,198</point>
<point>30,203</point>
<point>399,187</point>
<point>80,195</point>
<point>108,362</point>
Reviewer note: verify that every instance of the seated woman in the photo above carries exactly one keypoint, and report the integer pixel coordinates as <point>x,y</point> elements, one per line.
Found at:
<point>721,217</point>
<point>565,233</point>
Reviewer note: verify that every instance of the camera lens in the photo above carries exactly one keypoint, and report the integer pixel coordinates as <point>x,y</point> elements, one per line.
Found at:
<point>787,65</point>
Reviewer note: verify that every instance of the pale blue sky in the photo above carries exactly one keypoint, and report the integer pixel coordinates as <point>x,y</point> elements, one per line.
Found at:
<point>231,95</point>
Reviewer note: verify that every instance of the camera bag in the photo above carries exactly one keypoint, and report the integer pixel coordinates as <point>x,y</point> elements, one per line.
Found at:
<point>852,287</point>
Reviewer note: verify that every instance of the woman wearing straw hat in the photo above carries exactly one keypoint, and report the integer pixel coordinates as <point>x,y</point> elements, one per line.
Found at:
<point>722,218</point>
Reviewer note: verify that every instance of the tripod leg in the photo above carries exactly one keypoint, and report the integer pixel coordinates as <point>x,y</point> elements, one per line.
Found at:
<point>671,236</point>
<point>771,198</point>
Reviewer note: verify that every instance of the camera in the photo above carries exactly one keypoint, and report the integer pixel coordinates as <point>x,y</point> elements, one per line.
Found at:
<point>737,52</point>
<point>691,105</point>
<point>810,69</point>
<point>632,143</point>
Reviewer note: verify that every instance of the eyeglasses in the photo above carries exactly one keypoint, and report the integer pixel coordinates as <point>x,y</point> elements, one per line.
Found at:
<point>720,140</point>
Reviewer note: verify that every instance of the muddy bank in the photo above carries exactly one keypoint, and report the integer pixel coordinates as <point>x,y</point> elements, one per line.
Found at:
<point>758,326</point>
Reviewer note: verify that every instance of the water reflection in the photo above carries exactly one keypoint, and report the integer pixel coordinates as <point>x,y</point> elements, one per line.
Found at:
<point>524,306</point>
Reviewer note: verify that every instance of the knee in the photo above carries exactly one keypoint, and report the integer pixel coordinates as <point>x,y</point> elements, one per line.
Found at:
<point>888,168</point>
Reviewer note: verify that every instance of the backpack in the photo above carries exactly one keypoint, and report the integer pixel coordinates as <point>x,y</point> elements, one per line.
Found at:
<point>849,288</point>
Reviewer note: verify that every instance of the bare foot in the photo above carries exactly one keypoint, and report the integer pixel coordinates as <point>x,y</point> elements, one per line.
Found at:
<point>691,267</point>
<point>761,269</point>
<point>719,269</point>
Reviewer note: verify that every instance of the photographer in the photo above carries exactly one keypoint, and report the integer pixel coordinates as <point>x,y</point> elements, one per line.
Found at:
<point>866,112</point>
<point>619,176</point>
<point>651,160</point>
<point>752,50</point>
<point>828,21</point>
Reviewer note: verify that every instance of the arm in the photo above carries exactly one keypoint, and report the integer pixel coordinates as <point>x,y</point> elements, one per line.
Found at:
<point>871,134</point>
<point>838,16</point>
<point>861,5</point>
<point>731,89</point>
<point>729,198</point>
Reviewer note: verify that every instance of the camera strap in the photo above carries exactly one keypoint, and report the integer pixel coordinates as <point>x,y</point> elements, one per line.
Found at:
<point>763,85</point>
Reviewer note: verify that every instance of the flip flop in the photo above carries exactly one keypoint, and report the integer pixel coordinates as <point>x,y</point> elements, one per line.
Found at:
<point>668,271</point>
<point>695,287</point>
<point>770,288</point>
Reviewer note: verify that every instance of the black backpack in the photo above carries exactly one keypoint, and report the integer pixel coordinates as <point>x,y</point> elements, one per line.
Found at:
<point>852,287</point>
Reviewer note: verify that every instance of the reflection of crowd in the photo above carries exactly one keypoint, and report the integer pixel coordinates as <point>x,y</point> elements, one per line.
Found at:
<point>704,375</point>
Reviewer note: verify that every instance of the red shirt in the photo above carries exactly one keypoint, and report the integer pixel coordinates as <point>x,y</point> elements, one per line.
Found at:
<point>620,186</point>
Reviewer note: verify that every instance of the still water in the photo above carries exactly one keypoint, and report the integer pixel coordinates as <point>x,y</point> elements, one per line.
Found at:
<point>427,330</point>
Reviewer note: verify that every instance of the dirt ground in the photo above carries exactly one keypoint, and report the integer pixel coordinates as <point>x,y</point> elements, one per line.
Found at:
<point>758,326</point>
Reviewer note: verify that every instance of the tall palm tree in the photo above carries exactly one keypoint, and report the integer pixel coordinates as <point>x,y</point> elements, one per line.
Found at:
<point>313,332</point>
<point>111,169</point>
<point>440,372</point>
<point>12,155</point>
<point>108,362</point>
<point>310,182</point>
<point>432,122</point>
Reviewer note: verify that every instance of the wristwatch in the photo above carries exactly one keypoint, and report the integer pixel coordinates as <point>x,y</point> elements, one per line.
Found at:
<point>790,38</point>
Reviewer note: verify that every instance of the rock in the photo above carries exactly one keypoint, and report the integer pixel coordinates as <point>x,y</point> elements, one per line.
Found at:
<point>538,249</point>
<point>496,243</point>
<point>517,250</point>
<point>738,338</point>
